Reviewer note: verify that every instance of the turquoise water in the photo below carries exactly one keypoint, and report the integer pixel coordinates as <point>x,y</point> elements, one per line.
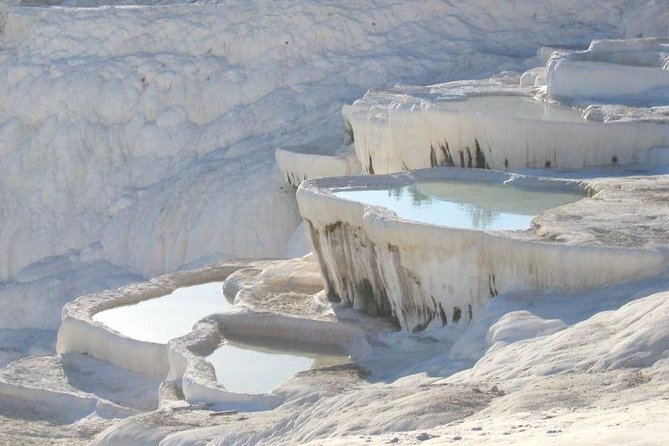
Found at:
<point>167,317</point>
<point>261,365</point>
<point>466,205</point>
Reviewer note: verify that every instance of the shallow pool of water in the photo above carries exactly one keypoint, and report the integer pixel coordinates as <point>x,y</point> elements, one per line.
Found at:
<point>517,107</point>
<point>466,205</point>
<point>260,365</point>
<point>167,317</point>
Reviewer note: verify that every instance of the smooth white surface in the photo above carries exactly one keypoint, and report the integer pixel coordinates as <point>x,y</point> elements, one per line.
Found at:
<point>519,107</point>
<point>463,205</point>
<point>106,120</point>
<point>152,148</point>
<point>614,71</point>
<point>164,318</point>
<point>408,128</point>
<point>428,276</point>
<point>177,117</point>
<point>329,157</point>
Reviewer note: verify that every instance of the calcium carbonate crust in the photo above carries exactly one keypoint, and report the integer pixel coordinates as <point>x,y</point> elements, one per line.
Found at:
<point>428,275</point>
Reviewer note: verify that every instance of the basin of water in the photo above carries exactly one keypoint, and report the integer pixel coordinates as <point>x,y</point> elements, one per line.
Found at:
<point>517,107</point>
<point>166,317</point>
<point>466,205</point>
<point>260,365</point>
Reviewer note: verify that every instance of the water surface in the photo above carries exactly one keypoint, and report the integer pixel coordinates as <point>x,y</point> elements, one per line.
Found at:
<point>167,317</point>
<point>260,365</point>
<point>460,204</point>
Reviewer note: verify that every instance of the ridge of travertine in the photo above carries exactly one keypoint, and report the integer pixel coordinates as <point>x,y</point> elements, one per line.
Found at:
<point>162,120</point>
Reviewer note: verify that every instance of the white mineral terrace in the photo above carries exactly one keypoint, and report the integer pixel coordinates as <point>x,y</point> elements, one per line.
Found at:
<point>503,124</point>
<point>614,70</point>
<point>130,327</point>
<point>325,158</point>
<point>507,122</point>
<point>400,130</point>
<point>331,223</point>
<point>218,363</point>
<point>180,327</point>
<point>428,275</point>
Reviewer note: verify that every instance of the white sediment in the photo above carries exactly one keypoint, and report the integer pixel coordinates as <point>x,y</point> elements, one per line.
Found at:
<point>139,138</point>
<point>429,275</point>
<point>401,130</point>
<point>628,71</point>
<point>188,363</point>
<point>79,332</point>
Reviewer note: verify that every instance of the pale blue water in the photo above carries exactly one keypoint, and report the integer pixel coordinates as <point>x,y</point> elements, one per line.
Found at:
<point>167,317</point>
<point>261,366</point>
<point>466,205</point>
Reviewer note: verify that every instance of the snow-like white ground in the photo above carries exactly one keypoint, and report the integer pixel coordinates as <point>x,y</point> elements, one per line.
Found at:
<point>140,140</point>
<point>153,147</point>
<point>585,368</point>
<point>144,136</point>
<point>152,127</point>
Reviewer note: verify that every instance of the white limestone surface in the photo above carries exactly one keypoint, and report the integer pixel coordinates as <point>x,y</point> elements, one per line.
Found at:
<point>143,136</point>
<point>429,275</point>
<point>281,301</point>
<point>491,125</point>
<point>127,138</point>
<point>197,377</point>
<point>79,332</point>
<point>34,298</point>
<point>320,159</point>
<point>633,71</point>
<point>298,245</point>
<point>77,383</point>
<point>282,287</point>
<point>585,369</point>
